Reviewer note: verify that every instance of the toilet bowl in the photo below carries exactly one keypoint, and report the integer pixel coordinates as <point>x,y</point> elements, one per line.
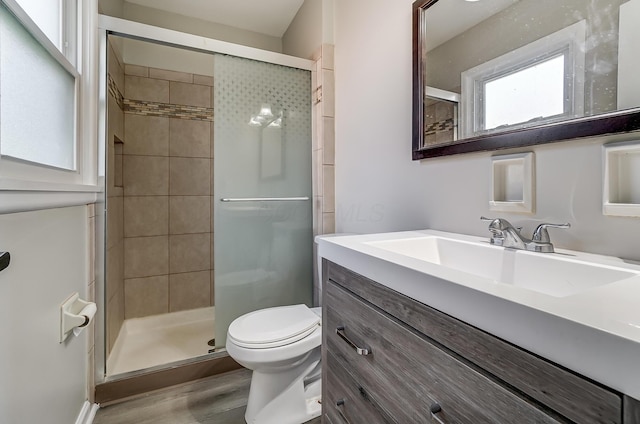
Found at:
<point>281,345</point>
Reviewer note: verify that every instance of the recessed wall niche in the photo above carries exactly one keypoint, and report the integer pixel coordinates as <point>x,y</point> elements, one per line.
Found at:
<point>512,185</point>
<point>621,194</point>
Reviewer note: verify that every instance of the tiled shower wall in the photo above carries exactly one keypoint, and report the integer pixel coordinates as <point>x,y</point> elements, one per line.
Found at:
<point>439,122</point>
<point>167,180</point>
<point>163,245</point>
<point>324,142</point>
<point>114,220</point>
<point>323,153</point>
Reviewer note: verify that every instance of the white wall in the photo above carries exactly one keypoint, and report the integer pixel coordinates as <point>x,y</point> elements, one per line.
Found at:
<point>304,35</point>
<point>204,28</point>
<point>43,381</point>
<point>378,186</point>
<point>111,7</point>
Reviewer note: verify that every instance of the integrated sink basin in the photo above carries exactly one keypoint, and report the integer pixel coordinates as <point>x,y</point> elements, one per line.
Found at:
<point>553,274</point>
<point>577,309</point>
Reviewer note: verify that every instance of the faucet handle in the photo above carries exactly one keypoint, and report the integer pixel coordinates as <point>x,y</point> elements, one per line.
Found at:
<point>499,223</point>
<point>542,235</point>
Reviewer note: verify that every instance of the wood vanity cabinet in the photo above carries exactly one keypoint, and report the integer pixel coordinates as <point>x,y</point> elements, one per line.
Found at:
<point>390,359</point>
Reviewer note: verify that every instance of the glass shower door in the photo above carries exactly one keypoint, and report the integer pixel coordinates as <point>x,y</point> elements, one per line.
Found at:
<point>262,183</point>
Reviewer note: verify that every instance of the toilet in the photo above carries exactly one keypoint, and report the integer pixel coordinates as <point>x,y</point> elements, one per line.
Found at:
<point>281,345</point>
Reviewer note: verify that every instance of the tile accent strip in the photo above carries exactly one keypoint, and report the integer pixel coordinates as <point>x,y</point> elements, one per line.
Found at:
<point>195,113</point>
<point>115,91</point>
<point>446,125</point>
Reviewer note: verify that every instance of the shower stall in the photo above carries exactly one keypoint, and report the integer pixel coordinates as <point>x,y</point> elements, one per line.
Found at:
<point>207,192</point>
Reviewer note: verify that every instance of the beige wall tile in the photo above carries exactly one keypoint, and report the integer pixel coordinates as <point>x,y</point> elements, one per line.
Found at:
<point>328,188</point>
<point>115,68</point>
<point>146,256</point>
<point>135,70</point>
<point>329,148</point>
<point>190,252</point>
<point>317,215</point>
<point>190,94</point>
<point>146,135</point>
<point>327,56</point>
<point>444,136</point>
<point>145,175</point>
<point>190,138</point>
<point>115,317</point>
<point>151,90</point>
<point>203,80</point>
<point>114,269</point>
<point>115,129</point>
<point>190,177</point>
<point>328,223</point>
<point>170,75</point>
<point>116,119</point>
<point>190,214</point>
<point>117,169</point>
<point>189,290</point>
<point>316,169</point>
<point>146,216</point>
<point>146,296</point>
<point>115,225</point>
<point>328,93</point>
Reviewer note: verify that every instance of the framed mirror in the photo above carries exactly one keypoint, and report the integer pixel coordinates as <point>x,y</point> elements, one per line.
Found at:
<point>497,74</point>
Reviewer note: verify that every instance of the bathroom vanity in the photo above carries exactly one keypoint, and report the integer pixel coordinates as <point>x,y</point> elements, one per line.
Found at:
<point>412,338</point>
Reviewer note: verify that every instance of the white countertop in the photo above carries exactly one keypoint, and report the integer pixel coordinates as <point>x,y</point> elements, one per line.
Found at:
<point>595,332</point>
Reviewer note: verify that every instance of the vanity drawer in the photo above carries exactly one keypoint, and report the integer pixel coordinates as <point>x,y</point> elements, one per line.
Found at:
<point>406,374</point>
<point>346,401</point>
<point>563,391</point>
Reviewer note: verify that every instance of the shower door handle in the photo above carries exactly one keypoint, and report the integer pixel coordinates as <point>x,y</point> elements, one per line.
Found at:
<point>264,199</point>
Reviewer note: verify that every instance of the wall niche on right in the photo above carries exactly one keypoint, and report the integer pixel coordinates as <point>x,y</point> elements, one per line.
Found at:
<point>621,194</point>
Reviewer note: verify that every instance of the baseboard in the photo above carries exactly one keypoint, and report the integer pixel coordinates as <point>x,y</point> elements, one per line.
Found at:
<point>87,413</point>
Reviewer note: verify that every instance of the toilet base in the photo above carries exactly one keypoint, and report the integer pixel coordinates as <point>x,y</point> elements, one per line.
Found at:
<point>292,397</point>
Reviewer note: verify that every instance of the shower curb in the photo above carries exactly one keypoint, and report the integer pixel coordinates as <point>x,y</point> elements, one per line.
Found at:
<point>115,391</point>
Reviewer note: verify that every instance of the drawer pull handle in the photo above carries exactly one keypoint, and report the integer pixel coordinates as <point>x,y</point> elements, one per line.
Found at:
<point>339,406</point>
<point>359,350</point>
<point>435,408</point>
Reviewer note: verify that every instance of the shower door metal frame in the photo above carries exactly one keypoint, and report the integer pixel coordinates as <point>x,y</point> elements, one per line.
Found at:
<point>108,25</point>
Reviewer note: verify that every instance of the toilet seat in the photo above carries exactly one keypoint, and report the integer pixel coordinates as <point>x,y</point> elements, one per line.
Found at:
<point>273,327</point>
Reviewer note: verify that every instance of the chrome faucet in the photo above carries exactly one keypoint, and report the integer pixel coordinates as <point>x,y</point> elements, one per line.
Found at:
<point>506,235</point>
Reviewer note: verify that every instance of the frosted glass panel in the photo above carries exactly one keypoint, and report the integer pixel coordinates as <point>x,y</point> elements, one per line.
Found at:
<point>263,250</point>
<point>37,100</point>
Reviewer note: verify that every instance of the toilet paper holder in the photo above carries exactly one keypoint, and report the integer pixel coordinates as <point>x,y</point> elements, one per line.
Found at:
<point>75,314</point>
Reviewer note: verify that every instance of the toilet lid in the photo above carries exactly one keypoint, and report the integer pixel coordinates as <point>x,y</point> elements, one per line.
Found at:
<point>273,327</point>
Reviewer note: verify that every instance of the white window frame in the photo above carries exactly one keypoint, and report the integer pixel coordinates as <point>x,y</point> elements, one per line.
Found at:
<point>28,185</point>
<point>569,42</point>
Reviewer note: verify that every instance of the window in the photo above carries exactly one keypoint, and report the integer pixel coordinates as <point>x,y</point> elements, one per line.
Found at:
<point>538,83</point>
<point>533,93</point>
<point>39,90</point>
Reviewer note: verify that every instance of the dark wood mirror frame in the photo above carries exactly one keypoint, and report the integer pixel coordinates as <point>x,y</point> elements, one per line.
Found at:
<point>615,122</point>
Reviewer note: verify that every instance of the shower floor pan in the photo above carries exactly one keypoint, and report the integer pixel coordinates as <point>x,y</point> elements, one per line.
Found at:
<point>161,339</point>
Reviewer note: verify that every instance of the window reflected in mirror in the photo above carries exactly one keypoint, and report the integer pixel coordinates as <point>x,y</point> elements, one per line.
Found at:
<point>522,64</point>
